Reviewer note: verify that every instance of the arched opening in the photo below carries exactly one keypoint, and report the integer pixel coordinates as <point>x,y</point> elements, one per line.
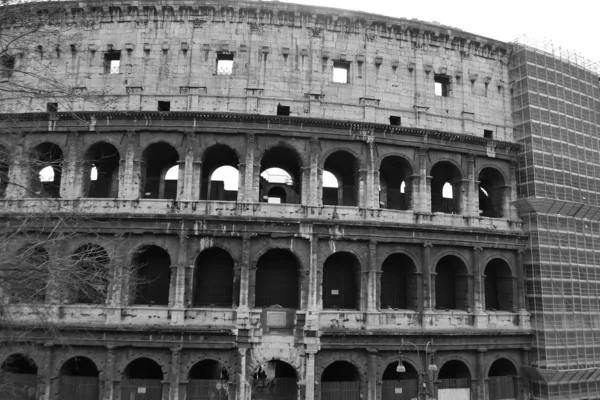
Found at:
<point>399,283</point>
<point>280,176</point>
<point>79,379</point>
<point>451,284</point>
<point>208,379</point>
<point>4,166</point>
<point>502,380</point>
<point>341,277</point>
<point>454,381</point>
<point>101,171</point>
<point>47,161</point>
<point>400,385</point>
<point>275,380</point>
<point>446,174</point>
<point>157,160</point>
<point>88,275</point>
<point>18,378</point>
<point>214,279</point>
<point>142,376</point>
<point>344,167</point>
<point>499,295</point>
<point>219,174</point>
<point>277,281</point>
<point>492,190</point>
<point>340,380</point>
<point>27,276</point>
<point>153,271</point>
<point>395,183</point>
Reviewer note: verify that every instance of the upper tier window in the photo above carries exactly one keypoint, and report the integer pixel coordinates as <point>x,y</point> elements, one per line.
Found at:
<point>341,72</point>
<point>442,85</point>
<point>224,63</point>
<point>112,62</point>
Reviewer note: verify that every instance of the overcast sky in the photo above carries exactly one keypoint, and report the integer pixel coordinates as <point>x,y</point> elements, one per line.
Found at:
<point>572,24</point>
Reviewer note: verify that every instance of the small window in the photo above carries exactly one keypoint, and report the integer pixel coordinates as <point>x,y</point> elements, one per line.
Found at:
<point>341,72</point>
<point>442,85</point>
<point>224,63</point>
<point>112,62</point>
<point>283,110</point>
<point>7,66</point>
<point>395,120</point>
<point>164,106</point>
<point>51,107</point>
<point>488,134</point>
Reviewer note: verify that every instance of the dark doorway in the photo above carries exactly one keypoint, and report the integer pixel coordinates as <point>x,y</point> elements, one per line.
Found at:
<point>502,380</point>
<point>340,381</point>
<point>344,167</point>
<point>498,286</point>
<point>153,270</point>
<point>101,171</point>
<point>275,380</point>
<point>214,279</point>
<point>142,380</point>
<point>399,283</point>
<point>341,281</point>
<point>158,159</point>
<point>395,185</point>
<point>79,379</point>
<point>400,385</point>
<point>208,380</point>
<point>277,280</point>
<point>18,378</point>
<point>451,284</point>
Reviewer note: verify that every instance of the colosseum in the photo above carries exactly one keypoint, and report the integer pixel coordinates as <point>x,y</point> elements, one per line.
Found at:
<point>289,202</point>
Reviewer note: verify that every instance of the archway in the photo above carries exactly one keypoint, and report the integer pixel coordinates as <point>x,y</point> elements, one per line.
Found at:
<point>275,380</point>
<point>341,281</point>
<point>157,160</point>
<point>79,379</point>
<point>208,379</point>
<point>400,385</point>
<point>101,171</point>
<point>27,280</point>
<point>499,294</point>
<point>46,174</point>
<point>214,279</point>
<point>280,176</point>
<point>445,173</point>
<point>277,280</point>
<point>399,283</point>
<point>492,190</point>
<point>451,284</point>
<point>344,167</point>
<point>18,378</point>
<point>395,184</point>
<point>143,376</point>
<point>340,380</point>
<point>88,275</point>
<point>502,382</point>
<point>454,381</point>
<point>219,174</point>
<point>153,272</point>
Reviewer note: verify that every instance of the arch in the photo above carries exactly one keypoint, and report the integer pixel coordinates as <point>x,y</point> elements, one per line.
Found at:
<point>277,195</point>
<point>277,279</point>
<point>275,380</point>
<point>287,159</point>
<point>46,155</point>
<point>407,381</point>
<point>143,368</point>
<point>340,376</point>
<point>492,193</point>
<point>208,379</point>
<point>395,183</point>
<point>79,366</point>
<point>214,158</point>
<point>341,281</point>
<point>399,283</point>
<point>88,275</point>
<point>157,159</point>
<point>214,278</point>
<point>19,377</point>
<point>4,169</point>
<point>499,288</point>
<point>142,373</point>
<point>27,279</point>
<point>152,269</point>
<point>441,173</point>
<point>101,171</point>
<point>454,374</point>
<point>502,380</point>
<point>344,166</point>
<point>451,284</point>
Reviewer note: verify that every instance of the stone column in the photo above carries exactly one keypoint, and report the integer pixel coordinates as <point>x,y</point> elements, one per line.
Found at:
<point>174,376</point>
<point>481,392</point>
<point>305,185</point>
<point>19,174</point>
<point>312,280</point>
<point>371,282</point>
<point>309,380</point>
<point>477,287</point>
<point>178,298</point>
<point>427,281</point>
<point>245,272</point>
<point>129,185</point>
<point>108,374</point>
<point>186,171</point>
<point>521,301</point>
<point>241,195</point>
<point>370,178</point>
<point>423,199</point>
<point>46,379</point>
<point>250,187</point>
<point>361,201</point>
<point>314,184</point>
<point>72,171</point>
<point>241,389</point>
<point>471,186</point>
<point>512,195</point>
<point>372,378</point>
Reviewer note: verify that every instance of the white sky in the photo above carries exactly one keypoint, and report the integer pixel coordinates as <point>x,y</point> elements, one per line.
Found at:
<point>571,24</point>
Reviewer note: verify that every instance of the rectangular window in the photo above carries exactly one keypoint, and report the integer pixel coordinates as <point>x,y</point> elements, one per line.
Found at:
<point>395,120</point>
<point>164,106</point>
<point>224,63</point>
<point>51,107</point>
<point>112,62</point>
<point>442,85</point>
<point>283,110</point>
<point>341,72</point>
<point>7,66</point>
<point>488,134</point>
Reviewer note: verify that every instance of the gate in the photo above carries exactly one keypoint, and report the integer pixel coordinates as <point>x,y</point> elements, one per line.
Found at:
<point>275,389</point>
<point>79,387</point>
<point>502,388</point>
<point>405,389</point>
<point>340,390</point>
<point>18,386</point>
<point>207,389</point>
<point>141,389</point>
<point>454,389</point>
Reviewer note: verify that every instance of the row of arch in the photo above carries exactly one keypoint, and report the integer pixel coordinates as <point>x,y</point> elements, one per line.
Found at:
<point>276,378</point>
<point>280,177</point>
<point>277,280</point>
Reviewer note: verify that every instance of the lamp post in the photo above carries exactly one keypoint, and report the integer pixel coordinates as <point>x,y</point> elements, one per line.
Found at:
<point>423,393</point>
